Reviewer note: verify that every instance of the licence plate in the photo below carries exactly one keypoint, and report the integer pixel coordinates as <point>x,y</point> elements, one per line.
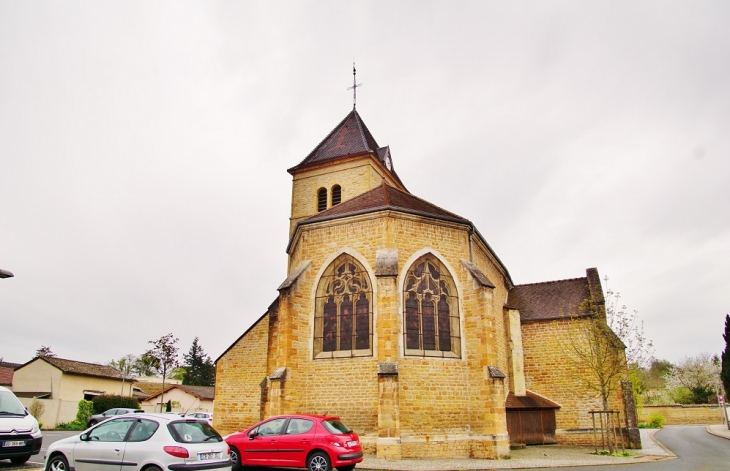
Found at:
<point>352,443</point>
<point>17,443</point>
<point>209,456</point>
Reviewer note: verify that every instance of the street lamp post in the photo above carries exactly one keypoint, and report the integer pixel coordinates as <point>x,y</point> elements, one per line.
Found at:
<point>5,274</point>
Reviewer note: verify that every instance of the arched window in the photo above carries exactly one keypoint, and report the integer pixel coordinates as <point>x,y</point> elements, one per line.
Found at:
<point>336,194</point>
<point>321,199</point>
<point>431,310</point>
<point>343,312</point>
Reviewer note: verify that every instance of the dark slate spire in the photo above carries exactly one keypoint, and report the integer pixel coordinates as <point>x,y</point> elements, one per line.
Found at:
<point>350,137</point>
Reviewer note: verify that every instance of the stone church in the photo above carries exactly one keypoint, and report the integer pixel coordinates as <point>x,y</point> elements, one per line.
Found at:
<point>397,316</point>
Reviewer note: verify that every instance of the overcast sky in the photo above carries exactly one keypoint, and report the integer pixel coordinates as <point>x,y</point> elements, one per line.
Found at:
<point>144,148</point>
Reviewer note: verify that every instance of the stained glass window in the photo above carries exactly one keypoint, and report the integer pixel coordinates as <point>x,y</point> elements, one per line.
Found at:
<point>431,324</point>
<point>343,312</point>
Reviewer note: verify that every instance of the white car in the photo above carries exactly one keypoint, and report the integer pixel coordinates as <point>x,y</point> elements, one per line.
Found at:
<point>20,436</point>
<point>207,416</point>
<point>133,442</point>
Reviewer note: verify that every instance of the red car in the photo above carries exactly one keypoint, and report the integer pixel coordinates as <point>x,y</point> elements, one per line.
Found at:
<point>315,442</point>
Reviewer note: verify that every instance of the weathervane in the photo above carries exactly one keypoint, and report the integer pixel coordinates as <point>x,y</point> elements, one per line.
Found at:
<point>354,86</point>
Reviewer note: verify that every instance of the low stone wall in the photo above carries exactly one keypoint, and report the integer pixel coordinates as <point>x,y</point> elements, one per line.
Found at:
<point>678,414</point>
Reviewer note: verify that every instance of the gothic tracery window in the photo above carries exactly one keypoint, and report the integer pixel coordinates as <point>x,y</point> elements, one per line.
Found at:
<point>431,310</point>
<point>343,313</point>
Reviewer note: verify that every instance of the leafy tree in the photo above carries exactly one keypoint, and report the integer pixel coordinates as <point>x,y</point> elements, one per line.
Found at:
<point>124,365</point>
<point>698,374</point>
<point>200,370</point>
<point>145,365</point>
<point>165,351</point>
<point>725,374</point>
<point>44,352</point>
<point>178,373</point>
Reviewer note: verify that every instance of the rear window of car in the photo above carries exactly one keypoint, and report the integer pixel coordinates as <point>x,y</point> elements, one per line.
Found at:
<point>192,431</point>
<point>335,427</point>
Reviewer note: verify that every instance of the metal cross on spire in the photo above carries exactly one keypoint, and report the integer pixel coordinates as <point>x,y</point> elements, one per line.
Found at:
<point>354,86</point>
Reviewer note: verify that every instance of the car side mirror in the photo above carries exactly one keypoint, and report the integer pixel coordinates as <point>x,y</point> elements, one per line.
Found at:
<point>84,437</point>
<point>253,435</point>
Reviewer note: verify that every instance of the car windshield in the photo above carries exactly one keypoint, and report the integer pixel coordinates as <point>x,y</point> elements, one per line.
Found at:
<point>335,427</point>
<point>192,431</point>
<point>10,405</point>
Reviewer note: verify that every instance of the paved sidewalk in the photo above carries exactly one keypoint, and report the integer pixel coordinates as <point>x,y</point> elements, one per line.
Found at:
<point>720,430</point>
<point>546,456</point>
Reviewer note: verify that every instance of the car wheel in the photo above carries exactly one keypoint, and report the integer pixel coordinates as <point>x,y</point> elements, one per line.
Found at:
<point>20,459</point>
<point>346,468</point>
<point>235,458</point>
<point>319,462</point>
<point>57,463</point>
<point>152,468</point>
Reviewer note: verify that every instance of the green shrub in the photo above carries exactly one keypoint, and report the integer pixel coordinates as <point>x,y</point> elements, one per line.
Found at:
<point>70,426</point>
<point>110,401</point>
<point>86,410</point>
<point>656,420</point>
<point>36,409</point>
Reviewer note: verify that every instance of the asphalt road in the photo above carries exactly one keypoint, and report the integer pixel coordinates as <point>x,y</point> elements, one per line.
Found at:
<point>696,450</point>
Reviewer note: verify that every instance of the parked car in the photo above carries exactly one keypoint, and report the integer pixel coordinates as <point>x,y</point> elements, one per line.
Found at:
<point>96,418</point>
<point>202,415</point>
<point>316,442</point>
<point>20,435</point>
<point>133,442</point>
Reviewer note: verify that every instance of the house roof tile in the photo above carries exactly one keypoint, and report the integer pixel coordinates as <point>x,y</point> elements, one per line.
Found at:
<point>80,368</point>
<point>6,376</point>
<point>201,392</point>
<point>529,401</point>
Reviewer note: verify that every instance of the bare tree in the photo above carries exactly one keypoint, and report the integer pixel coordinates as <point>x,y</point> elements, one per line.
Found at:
<point>44,352</point>
<point>629,328</point>
<point>164,350</point>
<point>595,352</point>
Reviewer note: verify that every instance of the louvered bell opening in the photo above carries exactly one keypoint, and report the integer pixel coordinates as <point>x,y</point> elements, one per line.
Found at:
<point>322,199</point>
<point>336,194</point>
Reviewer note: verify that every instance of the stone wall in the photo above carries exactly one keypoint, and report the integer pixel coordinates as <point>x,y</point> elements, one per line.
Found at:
<point>239,373</point>
<point>547,372</point>
<point>676,414</point>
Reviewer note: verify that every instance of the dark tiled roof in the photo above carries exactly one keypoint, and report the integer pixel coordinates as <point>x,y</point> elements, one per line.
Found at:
<point>384,197</point>
<point>529,401</point>
<point>201,392</point>
<point>349,138</point>
<point>550,300</point>
<point>80,367</point>
<point>7,364</point>
<point>6,376</point>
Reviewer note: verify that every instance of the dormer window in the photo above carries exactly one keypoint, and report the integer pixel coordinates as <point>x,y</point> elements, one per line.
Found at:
<point>336,194</point>
<point>321,199</point>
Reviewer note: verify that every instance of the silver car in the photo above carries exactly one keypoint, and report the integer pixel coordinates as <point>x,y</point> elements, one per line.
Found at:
<point>153,442</point>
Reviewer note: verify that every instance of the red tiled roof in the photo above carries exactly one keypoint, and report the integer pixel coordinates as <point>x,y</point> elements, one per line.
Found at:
<point>6,376</point>
<point>550,300</point>
<point>529,401</point>
<point>384,197</point>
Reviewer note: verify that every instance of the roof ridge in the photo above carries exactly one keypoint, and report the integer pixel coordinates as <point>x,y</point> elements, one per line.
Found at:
<point>552,281</point>
<point>411,195</point>
<point>74,361</point>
